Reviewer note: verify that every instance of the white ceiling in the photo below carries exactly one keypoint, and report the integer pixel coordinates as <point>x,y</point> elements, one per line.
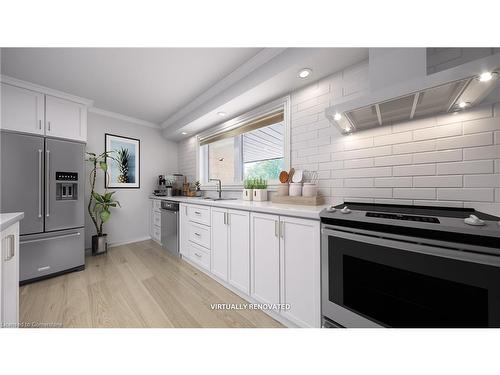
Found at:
<point>146,83</point>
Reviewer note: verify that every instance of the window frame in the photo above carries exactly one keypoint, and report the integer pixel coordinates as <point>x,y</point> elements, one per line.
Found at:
<point>202,151</point>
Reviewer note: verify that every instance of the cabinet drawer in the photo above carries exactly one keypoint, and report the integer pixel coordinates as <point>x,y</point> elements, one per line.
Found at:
<point>157,219</point>
<point>156,205</point>
<point>199,214</point>
<point>199,255</point>
<point>156,234</point>
<point>199,234</point>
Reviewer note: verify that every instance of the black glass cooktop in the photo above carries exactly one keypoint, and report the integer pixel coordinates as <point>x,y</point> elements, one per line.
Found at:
<point>423,219</point>
<point>429,212</point>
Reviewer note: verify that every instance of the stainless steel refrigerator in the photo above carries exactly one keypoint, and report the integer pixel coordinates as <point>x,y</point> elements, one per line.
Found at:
<point>44,178</point>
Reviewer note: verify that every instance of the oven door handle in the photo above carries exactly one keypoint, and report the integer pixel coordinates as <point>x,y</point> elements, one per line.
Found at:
<point>442,252</point>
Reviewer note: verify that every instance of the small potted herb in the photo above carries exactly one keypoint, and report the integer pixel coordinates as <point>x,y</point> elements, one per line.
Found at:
<point>248,185</point>
<point>197,186</point>
<point>260,190</point>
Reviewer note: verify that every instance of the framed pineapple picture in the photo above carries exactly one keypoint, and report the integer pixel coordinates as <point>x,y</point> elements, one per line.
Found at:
<point>123,163</point>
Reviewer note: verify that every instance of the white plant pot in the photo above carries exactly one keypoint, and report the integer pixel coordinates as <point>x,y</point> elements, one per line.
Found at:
<point>247,194</point>
<point>260,195</point>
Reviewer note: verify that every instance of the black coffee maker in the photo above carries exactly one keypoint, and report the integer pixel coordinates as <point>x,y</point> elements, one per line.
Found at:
<point>161,188</point>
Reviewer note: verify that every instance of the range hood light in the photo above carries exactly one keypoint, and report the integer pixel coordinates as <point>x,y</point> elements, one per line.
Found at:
<point>464,105</point>
<point>337,116</point>
<point>183,133</point>
<point>304,73</point>
<point>486,76</point>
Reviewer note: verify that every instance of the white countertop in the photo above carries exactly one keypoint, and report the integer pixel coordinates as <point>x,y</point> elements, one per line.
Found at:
<point>307,212</point>
<point>6,220</point>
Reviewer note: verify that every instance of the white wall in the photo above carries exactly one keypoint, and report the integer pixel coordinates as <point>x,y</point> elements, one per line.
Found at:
<point>449,160</point>
<point>158,156</point>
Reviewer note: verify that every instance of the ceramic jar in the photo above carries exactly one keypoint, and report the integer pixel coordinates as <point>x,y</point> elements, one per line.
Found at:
<point>282,190</point>
<point>295,189</point>
<point>247,194</point>
<point>309,189</point>
<point>260,195</point>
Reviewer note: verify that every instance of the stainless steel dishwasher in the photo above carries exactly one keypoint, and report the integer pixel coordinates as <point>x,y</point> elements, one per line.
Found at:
<point>170,226</point>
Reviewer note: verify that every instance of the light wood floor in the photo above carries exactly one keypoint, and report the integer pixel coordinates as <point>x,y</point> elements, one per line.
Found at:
<point>135,285</point>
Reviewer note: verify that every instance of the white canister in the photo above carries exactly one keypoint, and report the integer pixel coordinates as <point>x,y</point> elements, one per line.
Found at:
<point>247,194</point>
<point>282,190</point>
<point>260,195</point>
<point>309,189</point>
<point>295,189</point>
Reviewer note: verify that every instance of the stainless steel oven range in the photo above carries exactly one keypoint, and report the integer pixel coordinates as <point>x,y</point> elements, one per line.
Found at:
<point>409,266</point>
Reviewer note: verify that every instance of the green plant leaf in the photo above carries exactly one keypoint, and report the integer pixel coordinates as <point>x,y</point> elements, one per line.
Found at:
<point>105,214</point>
<point>103,165</point>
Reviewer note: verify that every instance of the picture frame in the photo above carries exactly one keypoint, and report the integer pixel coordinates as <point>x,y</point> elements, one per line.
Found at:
<point>124,167</point>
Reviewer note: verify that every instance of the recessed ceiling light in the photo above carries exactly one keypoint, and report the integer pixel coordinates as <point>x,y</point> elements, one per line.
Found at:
<point>464,104</point>
<point>337,116</point>
<point>486,76</point>
<point>222,114</point>
<point>183,133</point>
<point>304,73</point>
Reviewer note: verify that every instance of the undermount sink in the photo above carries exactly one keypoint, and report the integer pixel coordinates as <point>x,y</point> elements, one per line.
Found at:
<point>220,199</point>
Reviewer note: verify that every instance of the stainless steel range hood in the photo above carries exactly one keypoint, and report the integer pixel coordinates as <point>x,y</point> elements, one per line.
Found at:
<point>401,90</point>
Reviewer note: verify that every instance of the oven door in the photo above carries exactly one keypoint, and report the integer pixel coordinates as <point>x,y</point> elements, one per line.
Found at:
<point>370,281</point>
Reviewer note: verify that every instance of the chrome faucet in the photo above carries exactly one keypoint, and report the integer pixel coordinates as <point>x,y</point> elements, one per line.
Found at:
<point>219,186</point>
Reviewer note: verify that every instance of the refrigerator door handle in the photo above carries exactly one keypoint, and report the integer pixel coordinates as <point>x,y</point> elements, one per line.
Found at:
<point>51,238</point>
<point>40,183</point>
<point>47,184</point>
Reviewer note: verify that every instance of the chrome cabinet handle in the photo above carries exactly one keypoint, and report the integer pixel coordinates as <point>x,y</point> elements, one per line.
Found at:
<point>198,255</point>
<point>47,185</point>
<point>282,229</point>
<point>197,234</point>
<point>40,183</point>
<point>197,212</point>
<point>276,228</point>
<point>49,125</point>
<point>52,238</point>
<point>11,250</point>
<point>39,124</point>
<point>225,220</point>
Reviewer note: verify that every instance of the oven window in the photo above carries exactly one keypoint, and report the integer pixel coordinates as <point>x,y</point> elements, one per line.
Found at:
<point>400,298</point>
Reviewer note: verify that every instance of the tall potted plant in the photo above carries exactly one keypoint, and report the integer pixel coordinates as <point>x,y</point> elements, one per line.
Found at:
<point>100,205</point>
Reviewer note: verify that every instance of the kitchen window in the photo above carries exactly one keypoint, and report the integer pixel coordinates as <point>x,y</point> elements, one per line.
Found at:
<point>254,145</point>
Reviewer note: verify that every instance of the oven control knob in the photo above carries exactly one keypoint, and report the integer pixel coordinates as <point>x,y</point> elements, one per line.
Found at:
<point>473,220</point>
<point>345,210</point>
<point>330,209</point>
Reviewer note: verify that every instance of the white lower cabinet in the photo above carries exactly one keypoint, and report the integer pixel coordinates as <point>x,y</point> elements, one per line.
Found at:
<point>155,220</point>
<point>9,276</point>
<point>183,230</point>
<point>231,247</point>
<point>265,258</point>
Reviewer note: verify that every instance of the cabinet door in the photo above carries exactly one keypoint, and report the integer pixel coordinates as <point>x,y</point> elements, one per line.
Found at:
<point>22,110</point>
<point>300,270</point>
<point>10,275</point>
<point>184,230</point>
<point>239,249</point>
<point>219,244</point>
<point>65,119</point>
<point>265,258</point>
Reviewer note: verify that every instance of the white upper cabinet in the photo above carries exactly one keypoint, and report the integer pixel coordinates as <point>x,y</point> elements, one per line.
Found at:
<point>265,258</point>
<point>300,270</point>
<point>239,249</point>
<point>219,243</point>
<point>22,110</point>
<point>65,119</point>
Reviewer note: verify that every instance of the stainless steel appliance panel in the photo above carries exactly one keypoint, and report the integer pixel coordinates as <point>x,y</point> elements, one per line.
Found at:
<point>22,175</point>
<point>169,229</point>
<point>44,254</point>
<point>63,156</point>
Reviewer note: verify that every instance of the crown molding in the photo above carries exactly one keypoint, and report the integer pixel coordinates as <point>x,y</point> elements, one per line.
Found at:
<point>126,118</point>
<point>45,90</point>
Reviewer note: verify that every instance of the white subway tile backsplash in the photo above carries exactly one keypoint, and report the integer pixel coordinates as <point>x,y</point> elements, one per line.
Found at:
<point>393,182</point>
<point>471,114</point>
<point>437,156</point>
<point>437,181</point>
<point>356,144</point>
<point>363,172</point>
<point>466,194</point>
<point>482,180</point>
<point>419,202</point>
<point>414,170</point>
<point>497,166</point>
<point>393,201</point>
<point>359,163</point>
<point>483,125</point>
<point>438,132</point>
<point>364,192</point>
<point>358,182</point>
<point>364,153</point>
<point>333,165</point>
<point>414,125</point>
<point>393,160</point>
<point>486,152</point>
<point>472,140</point>
<point>408,148</point>
<point>466,167</point>
<point>414,193</point>
<point>497,138</point>
<point>489,208</point>
<point>497,195</point>
<point>393,139</point>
